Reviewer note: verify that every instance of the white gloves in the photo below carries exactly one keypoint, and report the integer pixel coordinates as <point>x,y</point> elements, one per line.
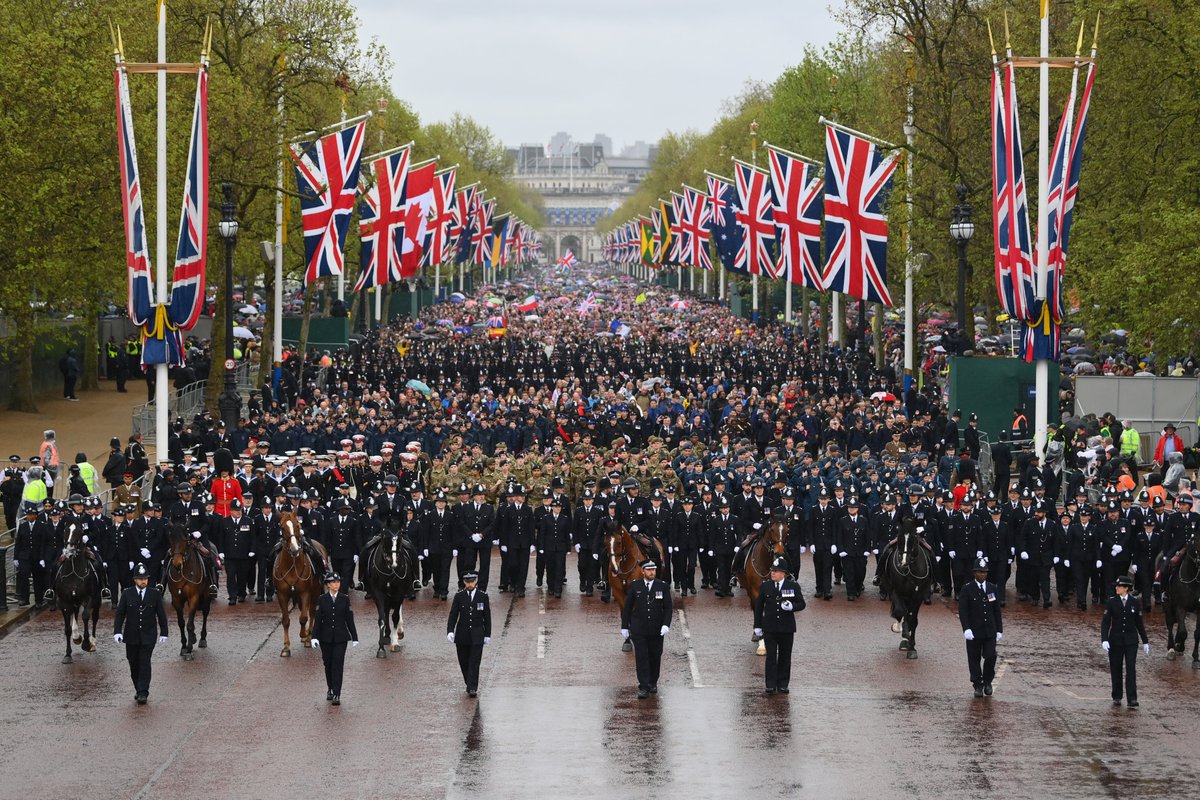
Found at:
<point>354,644</point>
<point>355,558</point>
<point>450,637</point>
<point>578,548</point>
<point>130,564</point>
<point>162,639</point>
<point>420,558</point>
<point>252,556</point>
<point>1105,645</point>
<point>832,550</point>
<point>1066,563</point>
<point>1024,556</point>
<point>979,554</point>
<point>842,554</point>
<point>118,638</point>
<point>999,636</point>
<point>425,551</point>
<point>969,635</point>
<point>736,549</point>
<point>532,549</point>
<point>1099,563</point>
<point>633,528</point>
<point>757,526</point>
<point>710,553</point>
<point>1133,568</point>
<point>146,553</point>
<point>487,640</point>
<point>866,553</point>
<point>758,632</point>
<point>938,559</point>
<point>315,644</point>
<point>540,552</point>
<point>875,551</point>
<point>596,556</point>
<point>195,534</point>
<point>42,563</point>
<point>1056,559</point>
<point>219,555</point>
<point>495,542</point>
<point>953,554</point>
<point>1116,550</point>
<point>625,633</point>
<point>453,553</point>
<point>85,538</point>
<point>476,537</point>
<point>803,549</point>
<point>503,548</point>
<point>1146,648</point>
<point>664,630</point>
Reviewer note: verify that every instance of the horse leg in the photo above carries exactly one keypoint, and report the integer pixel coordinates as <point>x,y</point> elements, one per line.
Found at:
<point>910,622</point>
<point>400,620</point>
<point>897,614</point>
<point>284,602</point>
<point>305,617</point>
<point>382,621</point>
<point>397,629</point>
<point>177,601</point>
<point>68,629</point>
<point>95,622</point>
<point>76,636</point>
<point>1196,643</point>
<point>204,606</point>
<point>192,627</point>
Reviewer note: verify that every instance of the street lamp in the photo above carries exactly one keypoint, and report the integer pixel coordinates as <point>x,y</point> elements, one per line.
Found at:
<point>230,402</point>
<point>961,230</point>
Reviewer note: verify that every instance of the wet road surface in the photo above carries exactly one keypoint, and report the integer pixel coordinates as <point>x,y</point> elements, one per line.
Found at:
<point>558,715</point>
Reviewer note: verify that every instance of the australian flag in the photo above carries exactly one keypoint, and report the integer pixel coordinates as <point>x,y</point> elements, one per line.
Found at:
<point>727,233</point>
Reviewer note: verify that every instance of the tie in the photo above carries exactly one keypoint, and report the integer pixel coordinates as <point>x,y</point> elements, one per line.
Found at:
<point>141,594</point>
<point>471,597</point>
<point>779,586</point>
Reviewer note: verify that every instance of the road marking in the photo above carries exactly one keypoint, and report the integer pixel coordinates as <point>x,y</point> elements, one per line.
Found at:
<point>1069,693</point>
<point>693,665</point>
<point>542,603</point>
<point>541,647</point>
<point>1000,671</point>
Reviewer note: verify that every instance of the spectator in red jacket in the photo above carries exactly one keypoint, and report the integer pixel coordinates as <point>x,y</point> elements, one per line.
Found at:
<point>1168,443</point>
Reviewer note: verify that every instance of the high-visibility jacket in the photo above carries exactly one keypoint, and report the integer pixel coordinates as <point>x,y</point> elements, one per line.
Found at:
<point>1131,442</point>
<point>49,453</point>
<point>35,492</point>
<point>88,473</point>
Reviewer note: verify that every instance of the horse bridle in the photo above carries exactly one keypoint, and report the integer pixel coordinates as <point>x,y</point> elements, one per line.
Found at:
<point>776,526</point>
<point>189,546</point>
<point>900,558</point>
<point>392,562</point>
<point>616,557</point>
<point>296,533</point>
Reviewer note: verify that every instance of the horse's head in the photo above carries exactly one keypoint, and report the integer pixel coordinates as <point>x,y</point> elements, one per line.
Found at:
<point>777,532</point>
<point>177,540</point>
<point>73,539</point>
<point>291,533</point>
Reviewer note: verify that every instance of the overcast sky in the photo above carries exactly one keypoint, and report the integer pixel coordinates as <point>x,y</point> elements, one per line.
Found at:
<point>632,69</point>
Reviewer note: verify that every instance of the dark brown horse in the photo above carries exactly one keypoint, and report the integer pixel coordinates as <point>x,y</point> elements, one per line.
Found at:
<point>298,581</point>
<point>187,579</point>
<point>623,557</point>
<point>755,569</point>
<point>77,593</point>
<point>1181,598</point>
<point>907,577</point>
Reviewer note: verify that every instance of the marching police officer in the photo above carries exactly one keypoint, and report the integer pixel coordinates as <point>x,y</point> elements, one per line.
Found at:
<point>553,541</point>
<point>1120,631</point>
<point>979,613</point>
<point>478,535</point>
<point>469,628</point>
<point>334,627</point>
<point>139,608</point>
<point>340,535</point>
<point>775,624</point>
<point>646,620</point>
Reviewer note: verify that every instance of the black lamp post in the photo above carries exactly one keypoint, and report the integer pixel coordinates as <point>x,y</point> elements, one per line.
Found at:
<point>230,402</point>
<point>961,230</point>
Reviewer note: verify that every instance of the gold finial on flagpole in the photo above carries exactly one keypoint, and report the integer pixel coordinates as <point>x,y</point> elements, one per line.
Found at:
<point>112,34</point>
<point>206,47</point>
<point>1079,42</point>
<point>162,9</point>
<point>991,39</point>
<point>1007,35</point>
<point>120,43</point>
<point>1096,33</point>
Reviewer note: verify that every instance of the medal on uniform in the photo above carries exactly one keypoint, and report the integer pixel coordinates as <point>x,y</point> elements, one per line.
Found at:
<point>658,595</point>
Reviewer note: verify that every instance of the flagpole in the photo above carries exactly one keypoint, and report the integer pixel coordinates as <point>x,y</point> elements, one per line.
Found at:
<point>910,132</point>
<point>754,275</point>
<point>342,274</point>
<point>277,304</point>
<point>161,375</point>
<point>1042,374</point>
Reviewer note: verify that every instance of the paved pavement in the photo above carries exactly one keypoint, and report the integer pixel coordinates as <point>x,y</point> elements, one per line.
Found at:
<point>558,716</point>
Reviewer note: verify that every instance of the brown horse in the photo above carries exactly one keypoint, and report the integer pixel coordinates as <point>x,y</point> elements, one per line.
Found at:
<point>298,581</point>
<point>623,562</point>
<point>188,581</point>
<point>755,568</point>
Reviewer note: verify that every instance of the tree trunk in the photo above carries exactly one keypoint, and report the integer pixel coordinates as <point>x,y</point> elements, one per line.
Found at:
<point>356,305</point>
<point>266,348</point>
<point>823,315</point>
<point>216,370</point>
<point>90,377</point>
<point>877,335</point>
<point>305,322</point>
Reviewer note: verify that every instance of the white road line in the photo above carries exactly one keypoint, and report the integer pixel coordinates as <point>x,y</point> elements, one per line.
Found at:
<point>1000,670</point>
<point>542,603</point>
<point>693,665</point>
<point>541,646</point>
<point>1069,693</point>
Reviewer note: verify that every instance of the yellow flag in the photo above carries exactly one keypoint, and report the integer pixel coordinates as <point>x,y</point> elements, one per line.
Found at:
<point>641,298</point>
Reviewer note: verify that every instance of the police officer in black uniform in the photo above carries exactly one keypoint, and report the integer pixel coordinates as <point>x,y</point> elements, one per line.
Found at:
<point>478,536</point>
<point>469,628</point>
<point>238,543</point>
<point>333,628</point>
<point>340,535</point>
<point>979,613</point>
<point>139,608</point>
<point>775,623</point>
<point>1120,631</point>
<point>646,620</point>
<point>553,541</point>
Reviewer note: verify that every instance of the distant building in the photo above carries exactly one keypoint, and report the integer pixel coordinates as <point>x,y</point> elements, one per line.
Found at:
<point>580,184</point>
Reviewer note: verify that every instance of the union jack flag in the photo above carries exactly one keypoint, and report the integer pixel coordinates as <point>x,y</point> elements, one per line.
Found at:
<point>1064,186</point>
<point>588,304</point>
<point>676,226</point>
<point>694,225</point>
<point>1010,209</point>
<point>442,217</point>
<point>857,180</point>
<point>797,214</point>
<point>381,222</point>
<point>137,254</point>
<point>187,284</point>
<point>327,177</point>
<point>481,239</point>
<point>756,254</point>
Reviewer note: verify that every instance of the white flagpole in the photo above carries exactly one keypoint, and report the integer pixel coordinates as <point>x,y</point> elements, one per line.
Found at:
<point>161,372</point>
<point>835,317</point>
<point>910,131</point>
<point>1042,375</point>
<point>342,274</point>
<point>277,303</point>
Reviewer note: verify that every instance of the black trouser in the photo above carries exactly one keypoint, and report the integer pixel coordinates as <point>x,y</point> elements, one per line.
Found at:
<point>344,567</point>
<point>982,650</point>
<point>1041,582</point>
<point>556,571</point>
<point>518,568</point>
<point>439,569</point>
<point>464,562</point>
<point>237,571</point>
<point>1085,573</point>
<point>24,573</point>
<point>262,587</point>
<point>708,569</point>
<point>1026,578</point>
<point>251,576</point>
<point>1143,579</point>
<point>334,656</point>
<point>138,656</point>
<point>647,652</point>
<point>469,656</point>
<point>683,563</point>
<point>664,563</point>
<point>1111,570</point>
<point>823,567</point>
<point>541,567</point>
<point>1123,658</point>
<point>69,386</point>
<point>959,567</point>
<point>1064,581</point>
<point>1000,486</point>
<point>941,573</point>
<point>854,568</point>
<point>779,659</point>
<point>724,571</point>
<point>587,570</point>
<point>482,564</point>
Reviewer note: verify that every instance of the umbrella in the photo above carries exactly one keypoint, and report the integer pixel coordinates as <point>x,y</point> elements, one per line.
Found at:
<point>679,305</point>
<point>247,310</point>
<point>1085,368</point>
<point>457,297</point>
<point>886,397</point>
<point>936,322</point>
<point>240,332</point>
<point>939,349</point>
<point>470,303</point>
<point>419,386</point>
